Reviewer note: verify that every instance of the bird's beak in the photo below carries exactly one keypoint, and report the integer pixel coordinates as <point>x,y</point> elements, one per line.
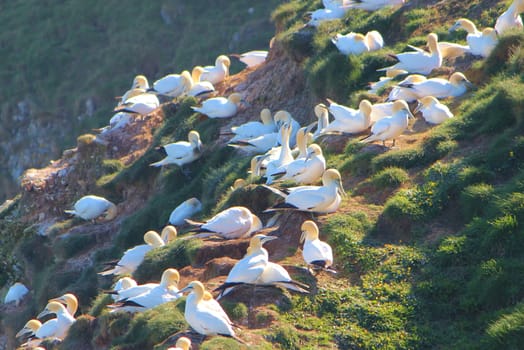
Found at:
<point>310,127</point>
<point>21,332</point>
<point>185,289</point>
<point>341,189</point>
<point>453,28</point>
<point>60,300</point>
<point>418,108</point>
<point>43,313</point>
<point>302,236</point>
<point>469,84</point>
<point>269,238</point>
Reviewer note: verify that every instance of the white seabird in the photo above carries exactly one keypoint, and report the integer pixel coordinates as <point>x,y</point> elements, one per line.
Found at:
<point>356,43</point>
<point>457,85</point>
<point>143,104</point>
<point>481,43</point>
<point>433,111</point>
<point>16,293</point>
<point>165,291</point>
<point>252,58</point>
<point>185,211</point>
<point>254,129</point>
<point>133,257</point>
<point>234,222</point>
<point>182,343</point>
<point>305,171</point>
<point>315,252</point>
<point>391,127</point>
<point>510,18</point>
<point>217,73</point>
<point>199,87</point>
<point>173,85</point>
<point>204,314</point>
<point>182,152</point>
<point>93,207</point>
<point>318,199</point>
<point>419,61</point>
<point>220,107</point>
<point>349,120</point>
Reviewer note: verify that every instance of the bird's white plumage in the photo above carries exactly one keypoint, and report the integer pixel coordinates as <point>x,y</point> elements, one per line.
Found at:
<point>92,207</point>
<point>220,107</point>
<point>133,257</point>
<point>253,58</point>
<point>16,293</point>
<point>349,120</point>
<point>440,88</point>
<point>234,222</point>
<point>399,93</point>
<point>393,126</point>
<point>433,111</point>
<point>374,5</point>
<point>255,129</point>
<point>164,292</point>
<point>142,104</point>
<point>56,327</point>
<point>356,43</point>
<point>305,170</point>
<point>184,211</point>
<point>204,314</point>
<point>319,199</point>
<point>173,85</point>
<point>420,61</point>
<point>314,249</point>
<point>199,86</point>
<point>510,18</point>
<point>182,152</point>
<point>217,73</point>
<point>284,156</point>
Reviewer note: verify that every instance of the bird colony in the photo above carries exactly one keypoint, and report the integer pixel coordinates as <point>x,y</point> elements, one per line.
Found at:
<point>281,150</point>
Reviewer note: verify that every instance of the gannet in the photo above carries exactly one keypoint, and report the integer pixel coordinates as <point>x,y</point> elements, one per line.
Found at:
<point>234,222</point>
<point>322,114</point>
<point>69,300</point>
<point>437,87</point>
<point>373,5</point>
<point>284,157</point>
<point>252,58</point>
<point>319,199</point>
<point>419,61</point>
<point>220,107</point>
<point>205,315</point>
<point>250,267</point>
<point>16,293</point>
<point>182,152</point>
<point>93,207</point>
<point>336,11</point>
<point>374,87</point>
<point>315,252</point>
<point>510,18</point>
<point>121,285</point>
<point>217,73</point>
<point>168,234</point>
<point>173,85</point>
<point>185,211</point>
<point>391,127</point>
<point>282,117</point>
<point>356,43</point>
<point>254,129</point>
<point>398,93</point>
<point>182,343</point>
<point>56,327</point>
<point>143,104</point>
<point>133,257</point>
<point>381,110</point>
<point>198,87</point>
<point>260,144</point>
<point>165,291</point>
<point>433,111</point>
<point>480,43</point>
<point>349,120</point>
<point>29,329</point>
<point>305,171</point>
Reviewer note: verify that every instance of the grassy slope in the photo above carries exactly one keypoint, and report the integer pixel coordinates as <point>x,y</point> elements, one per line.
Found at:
<point>57,56</point>
<point>428,244</point>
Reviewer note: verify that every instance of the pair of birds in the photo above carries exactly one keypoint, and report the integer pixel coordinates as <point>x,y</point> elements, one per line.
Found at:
<point>56,328</point>
<point>131,297</point>
<point>133,257</point>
